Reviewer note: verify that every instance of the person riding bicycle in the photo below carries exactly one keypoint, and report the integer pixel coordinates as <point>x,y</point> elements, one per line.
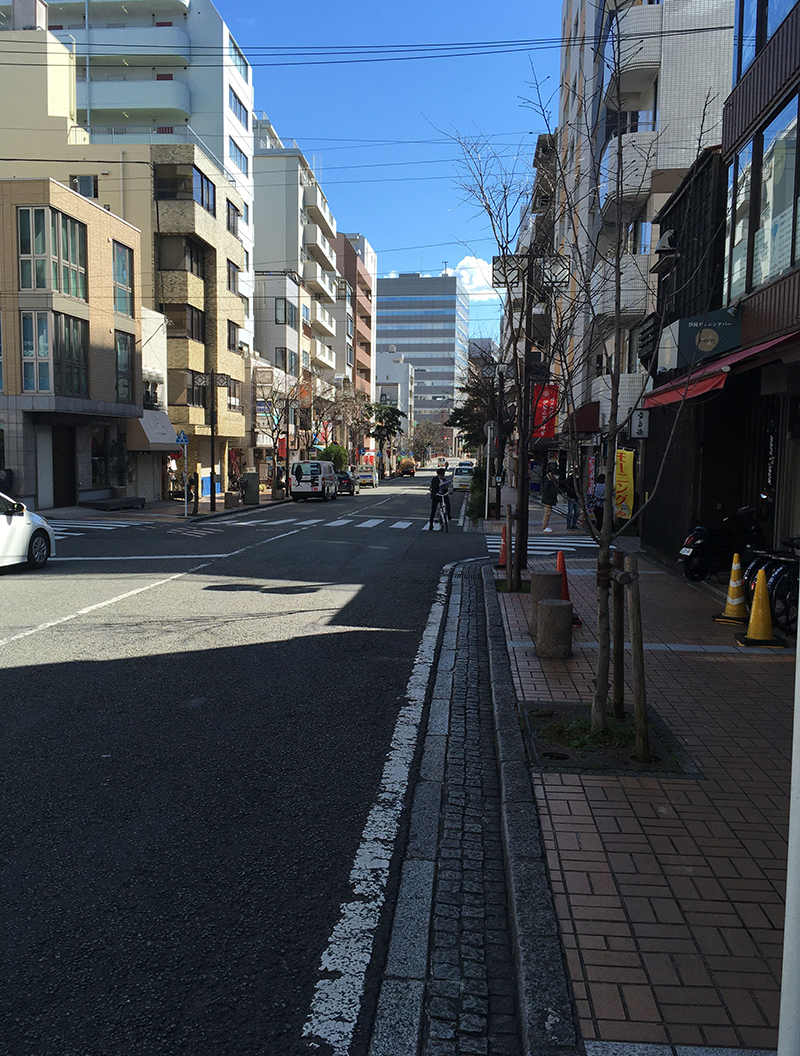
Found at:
<point>439,487</point>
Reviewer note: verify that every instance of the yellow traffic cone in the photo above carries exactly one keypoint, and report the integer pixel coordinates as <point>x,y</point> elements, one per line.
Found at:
<point>759,630</point>
<point>735,610</point>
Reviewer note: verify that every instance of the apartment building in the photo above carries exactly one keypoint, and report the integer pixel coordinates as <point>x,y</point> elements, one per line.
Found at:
<point>166,72</point>
<point>294,233</point>
<point>70,340</point>
<point>425,318</point>
<point>727,377</point>
<point>189,213</point>
<point>642,91</point>
<point>395,385</point>
<point>354,311</point>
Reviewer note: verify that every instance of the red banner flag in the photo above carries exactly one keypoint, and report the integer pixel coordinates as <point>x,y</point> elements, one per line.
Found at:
<point>544,411</point>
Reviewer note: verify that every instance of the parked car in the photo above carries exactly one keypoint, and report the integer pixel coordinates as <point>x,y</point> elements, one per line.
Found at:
<point>367,476</point>
<point>24,536</point>
<point>315,480</point>
<point>462,477</point>
<point>348,485</point>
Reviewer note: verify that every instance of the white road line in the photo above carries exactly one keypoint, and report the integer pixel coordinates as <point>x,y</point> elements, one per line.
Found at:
<point>138,590</point>
<point>401,524</point>
<point>146,557</point>
<point>339,991</point>
<point>370,524</point>
<point>339,523</point>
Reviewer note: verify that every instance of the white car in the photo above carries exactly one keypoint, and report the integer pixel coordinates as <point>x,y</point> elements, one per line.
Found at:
<point>367,476</point>
<point>24,536</point>
<point>462,478</point>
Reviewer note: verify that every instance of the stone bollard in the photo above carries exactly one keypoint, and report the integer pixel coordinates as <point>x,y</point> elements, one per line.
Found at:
<point>543,585</point>
<point>554,640</point>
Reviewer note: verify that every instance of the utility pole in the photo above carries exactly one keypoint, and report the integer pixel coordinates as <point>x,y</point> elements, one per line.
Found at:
<point>213,422</point>
<point>499,441</point>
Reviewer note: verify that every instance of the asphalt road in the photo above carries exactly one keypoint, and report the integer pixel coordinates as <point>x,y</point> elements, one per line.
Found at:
<point>195,720</point>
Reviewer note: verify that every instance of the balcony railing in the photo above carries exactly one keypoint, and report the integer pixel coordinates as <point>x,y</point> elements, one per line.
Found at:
<point>634,288</point>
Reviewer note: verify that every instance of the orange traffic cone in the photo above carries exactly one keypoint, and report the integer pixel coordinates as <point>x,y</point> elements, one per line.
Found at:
<point>759,630</point>
<point>501,561</point>
<point>735,610</point>
<point>562,568</point>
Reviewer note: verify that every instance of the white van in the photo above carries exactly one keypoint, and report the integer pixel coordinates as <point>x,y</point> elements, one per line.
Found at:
<point>316,480</point>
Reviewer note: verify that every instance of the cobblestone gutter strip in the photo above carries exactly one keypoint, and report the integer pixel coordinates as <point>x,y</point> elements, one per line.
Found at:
<point>544,997</point>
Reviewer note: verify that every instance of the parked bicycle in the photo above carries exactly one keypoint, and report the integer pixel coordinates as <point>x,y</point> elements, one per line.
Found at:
<point>782,572</point>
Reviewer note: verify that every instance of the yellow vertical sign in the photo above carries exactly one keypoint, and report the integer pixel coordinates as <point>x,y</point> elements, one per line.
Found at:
<point>623,486</point>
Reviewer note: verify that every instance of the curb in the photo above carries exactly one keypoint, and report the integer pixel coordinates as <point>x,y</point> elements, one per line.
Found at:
<point>543,990</point>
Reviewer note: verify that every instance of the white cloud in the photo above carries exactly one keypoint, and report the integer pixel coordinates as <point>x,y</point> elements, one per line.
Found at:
<point>476,278</point>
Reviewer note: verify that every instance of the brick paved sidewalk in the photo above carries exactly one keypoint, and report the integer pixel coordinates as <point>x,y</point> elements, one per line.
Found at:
<point>669,890</point>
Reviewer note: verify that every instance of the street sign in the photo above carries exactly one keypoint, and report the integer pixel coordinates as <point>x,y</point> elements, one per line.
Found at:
<point>640,424</point>
<point>182,438</point>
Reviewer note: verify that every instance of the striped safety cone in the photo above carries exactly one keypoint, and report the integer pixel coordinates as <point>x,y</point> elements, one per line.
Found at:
<point>501,561</point>
<point>735,610</point>
<point>561,566</point>
<point>759,629</point>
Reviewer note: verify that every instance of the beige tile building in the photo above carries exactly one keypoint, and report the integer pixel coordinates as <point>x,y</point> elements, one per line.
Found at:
<point>188,212</point>
<point>70,364</point>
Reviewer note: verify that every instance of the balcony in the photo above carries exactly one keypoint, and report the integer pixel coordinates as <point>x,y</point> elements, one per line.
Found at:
<point>172,99</point>
<point>636,65</point>
<point>319,281</point>
<point>138,45</point>
<point>322,320</point>
<point>317,208</point>
<point>319,247</point>
<point>639,151</point>
<point>634,289</point>
<point>322,356</point>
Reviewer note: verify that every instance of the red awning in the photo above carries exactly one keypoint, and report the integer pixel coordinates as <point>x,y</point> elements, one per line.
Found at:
<point>586,419</point>
<point>712,377</point>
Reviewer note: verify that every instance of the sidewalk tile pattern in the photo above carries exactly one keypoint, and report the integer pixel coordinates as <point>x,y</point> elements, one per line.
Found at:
<point>470,991</point>
<point>670,890</point>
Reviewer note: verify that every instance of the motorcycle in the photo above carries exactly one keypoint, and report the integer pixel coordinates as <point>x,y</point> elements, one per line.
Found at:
<point>709,551</point>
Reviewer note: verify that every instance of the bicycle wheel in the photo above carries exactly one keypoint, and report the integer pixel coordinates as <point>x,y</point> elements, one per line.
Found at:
<point>445,518</point>
<point>783,587</point>
<point>751,574</point>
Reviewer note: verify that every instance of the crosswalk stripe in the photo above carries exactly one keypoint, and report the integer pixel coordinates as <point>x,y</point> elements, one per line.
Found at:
<point>401,524</point>
<point>370,524</point>
<point>339,523</point>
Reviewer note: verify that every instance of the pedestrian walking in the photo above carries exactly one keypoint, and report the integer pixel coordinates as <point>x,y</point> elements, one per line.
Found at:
<point>567,488</point>
<point>549,498</point>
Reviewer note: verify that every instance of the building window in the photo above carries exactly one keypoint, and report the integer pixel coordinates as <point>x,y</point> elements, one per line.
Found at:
<point>305,359</point>
<point>245,305</point>
<point>203,191</point>
<point>246,214</point>
<point>237,155</point>
<point>84,185</point>
<point>195,389</point>
<point>285,313</point>
<point>233,277</point>
<point>36,358</point>
<point>124,347</point>
<point>70,355</point>
<point>294,363</point>
<point>305,311</point>
<point>281,358</point>
<point>233,336</point>
<point>123,279</point>
<point>246,261</point>
<point>238,59</point>
<point>772,237</point>
<point>52,252</point>
<point>234,395</point>
<point>232,216</point>
<point>238,107</point>
<point>184,320</point>
<point>350,356</point>
<point>351,329</point>
<point>194,257</point>
<point>763,208</point>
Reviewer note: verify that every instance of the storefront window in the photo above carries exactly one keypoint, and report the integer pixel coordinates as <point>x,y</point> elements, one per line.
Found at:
<point>772,241</point>
<point>740,221</point>
<point>100,444</point>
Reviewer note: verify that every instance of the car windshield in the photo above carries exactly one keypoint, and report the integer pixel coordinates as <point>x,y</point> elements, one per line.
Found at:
<point>464,471</point>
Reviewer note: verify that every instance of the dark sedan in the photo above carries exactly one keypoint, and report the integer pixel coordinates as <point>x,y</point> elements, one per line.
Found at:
<point>348,485</point>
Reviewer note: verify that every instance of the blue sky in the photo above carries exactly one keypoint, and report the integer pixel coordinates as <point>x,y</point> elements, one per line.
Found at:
<point>377,132</point>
